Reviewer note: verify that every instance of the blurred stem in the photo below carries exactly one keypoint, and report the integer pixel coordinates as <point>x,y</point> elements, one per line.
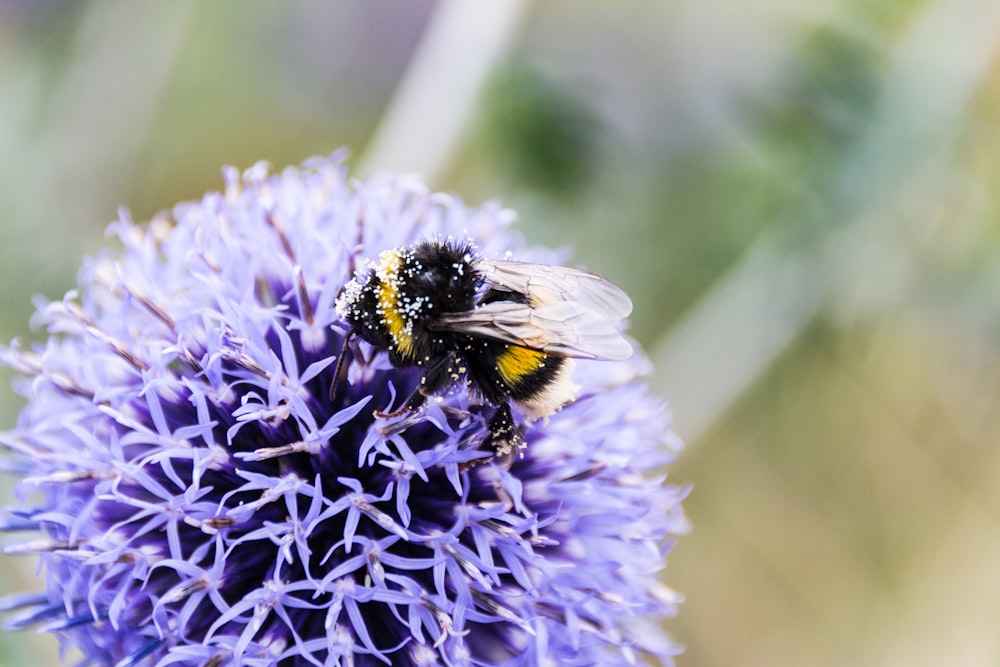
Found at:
<point>760,306</point>
<point>102,108</point>
<point>434,102</point>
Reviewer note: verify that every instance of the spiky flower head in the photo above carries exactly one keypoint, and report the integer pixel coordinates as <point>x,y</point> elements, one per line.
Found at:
<point>203,498</point>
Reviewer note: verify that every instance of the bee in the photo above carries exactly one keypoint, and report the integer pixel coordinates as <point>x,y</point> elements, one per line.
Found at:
<point>507,329</point>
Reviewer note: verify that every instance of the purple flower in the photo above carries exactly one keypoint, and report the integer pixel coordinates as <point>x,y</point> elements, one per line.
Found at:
<point>202,500</point>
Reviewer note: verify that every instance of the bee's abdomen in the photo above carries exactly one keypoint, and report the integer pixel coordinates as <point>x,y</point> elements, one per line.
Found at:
<point>523,369</point>
<point>540,382</point>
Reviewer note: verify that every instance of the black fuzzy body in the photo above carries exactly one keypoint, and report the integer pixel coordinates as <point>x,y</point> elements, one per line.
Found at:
<point>396,304</point>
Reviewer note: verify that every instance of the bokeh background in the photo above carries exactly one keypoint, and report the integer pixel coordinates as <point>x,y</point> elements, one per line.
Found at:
<point>801,197</point>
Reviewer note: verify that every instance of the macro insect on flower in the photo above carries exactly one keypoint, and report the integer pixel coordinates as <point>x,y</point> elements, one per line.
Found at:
<point>207,479</point>
<point>508,328</point>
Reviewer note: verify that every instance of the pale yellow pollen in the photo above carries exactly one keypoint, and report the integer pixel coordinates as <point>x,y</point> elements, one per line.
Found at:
<point>387,271</point>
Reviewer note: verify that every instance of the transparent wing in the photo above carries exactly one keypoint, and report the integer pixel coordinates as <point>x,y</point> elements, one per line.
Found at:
<point>542,283</point>
<point>563,328</point>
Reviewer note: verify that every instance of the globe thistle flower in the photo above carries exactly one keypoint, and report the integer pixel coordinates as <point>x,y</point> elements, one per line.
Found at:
<point>204,498</point>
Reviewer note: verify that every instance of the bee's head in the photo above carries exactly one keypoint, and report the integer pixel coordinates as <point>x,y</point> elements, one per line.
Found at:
<point>349,298</point>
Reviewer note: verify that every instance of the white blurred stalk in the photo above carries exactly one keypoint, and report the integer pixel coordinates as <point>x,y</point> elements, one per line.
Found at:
<point>759,308</point>
<point>427,117</point>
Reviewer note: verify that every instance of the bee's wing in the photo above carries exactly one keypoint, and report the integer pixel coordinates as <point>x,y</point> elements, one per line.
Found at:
<point>563,328</point>
<point>542,283</point>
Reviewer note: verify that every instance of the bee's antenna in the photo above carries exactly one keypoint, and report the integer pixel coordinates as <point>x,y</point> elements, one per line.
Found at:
<point>339,369</point>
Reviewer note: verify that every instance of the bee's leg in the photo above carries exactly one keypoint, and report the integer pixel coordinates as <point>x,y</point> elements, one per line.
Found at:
<point>412,404</point>
<point>505,436</point>
<point>439,375</point>
<point>340,370</point>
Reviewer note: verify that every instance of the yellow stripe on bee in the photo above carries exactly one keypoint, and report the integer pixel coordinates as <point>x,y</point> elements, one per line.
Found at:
<point>388,301</point>
<point>516,363</point>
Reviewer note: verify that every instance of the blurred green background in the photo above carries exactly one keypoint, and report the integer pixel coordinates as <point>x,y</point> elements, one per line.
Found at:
<point>801,197</point>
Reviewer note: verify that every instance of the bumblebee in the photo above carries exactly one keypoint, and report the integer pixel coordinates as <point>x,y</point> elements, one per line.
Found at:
<point>507,329</point>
